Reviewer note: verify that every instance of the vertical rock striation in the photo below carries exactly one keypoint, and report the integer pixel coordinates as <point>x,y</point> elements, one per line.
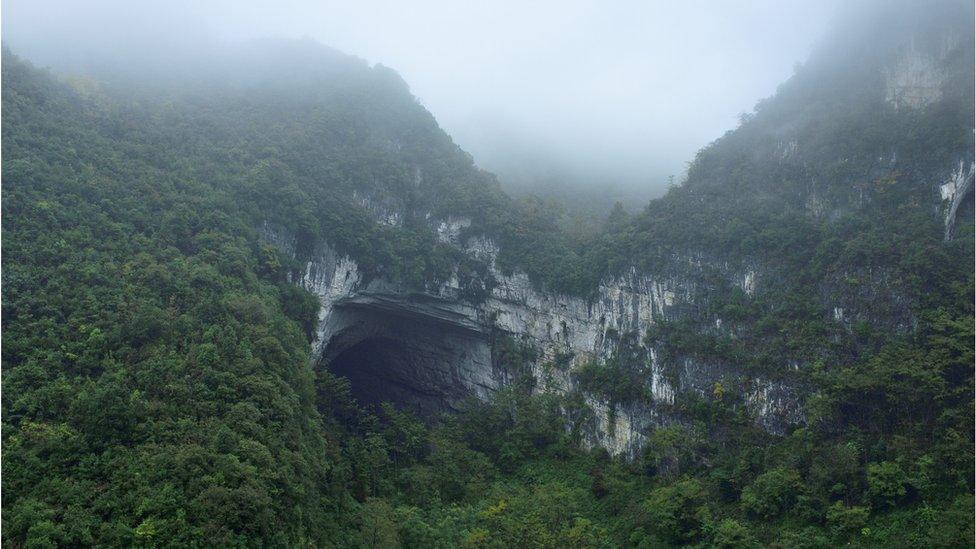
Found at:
<point>442,342</point>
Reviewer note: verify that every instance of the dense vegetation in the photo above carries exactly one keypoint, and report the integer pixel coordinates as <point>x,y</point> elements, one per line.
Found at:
<point>156,363</point>
<point>157,386</point>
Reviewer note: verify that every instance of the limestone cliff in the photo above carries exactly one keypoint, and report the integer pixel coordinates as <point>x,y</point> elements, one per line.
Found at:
<point>788,212</point>
<point>443,341</point>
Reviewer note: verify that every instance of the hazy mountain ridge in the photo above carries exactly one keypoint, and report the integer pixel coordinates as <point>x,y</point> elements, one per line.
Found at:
<point>157,367</point>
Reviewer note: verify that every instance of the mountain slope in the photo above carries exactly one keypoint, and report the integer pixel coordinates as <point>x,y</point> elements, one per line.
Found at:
<point>156,366</point>
<point>158,385</point>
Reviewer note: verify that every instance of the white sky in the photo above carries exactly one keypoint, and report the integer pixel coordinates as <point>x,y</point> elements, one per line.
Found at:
<point>625,90</point>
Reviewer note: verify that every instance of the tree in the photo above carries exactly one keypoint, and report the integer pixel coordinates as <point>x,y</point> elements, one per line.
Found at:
<point>886,484</point>
<point>377,525</point>
<point>772,494</point>
<point>674,513</point>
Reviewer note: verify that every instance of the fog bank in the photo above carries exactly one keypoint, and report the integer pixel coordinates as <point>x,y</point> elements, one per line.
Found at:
<point>597,93</point>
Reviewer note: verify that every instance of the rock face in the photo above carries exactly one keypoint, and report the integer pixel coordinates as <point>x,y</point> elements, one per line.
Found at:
<point>402,350</point>
<point>917,78</point>
<point>427,350</point>
<point>955,192</point>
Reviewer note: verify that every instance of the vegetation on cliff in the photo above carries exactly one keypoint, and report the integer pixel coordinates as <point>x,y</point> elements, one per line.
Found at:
<point>157,385</point>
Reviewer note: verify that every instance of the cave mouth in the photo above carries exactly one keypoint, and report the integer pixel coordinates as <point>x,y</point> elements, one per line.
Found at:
<point>418,364</point>
<point>381,369</point>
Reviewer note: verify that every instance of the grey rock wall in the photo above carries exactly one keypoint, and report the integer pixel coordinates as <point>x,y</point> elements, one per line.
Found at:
<point>445,340</point>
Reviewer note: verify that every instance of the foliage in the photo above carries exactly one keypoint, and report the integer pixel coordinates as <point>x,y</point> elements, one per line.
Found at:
<point>772,493</point>
<point>157,380</point>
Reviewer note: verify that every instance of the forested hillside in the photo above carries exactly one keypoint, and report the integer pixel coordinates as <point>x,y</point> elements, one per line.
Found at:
<point>158,383</point>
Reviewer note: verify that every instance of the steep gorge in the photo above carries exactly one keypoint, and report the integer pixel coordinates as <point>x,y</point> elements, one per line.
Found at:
<point>434,345</point>
<point>427,348</point>
<point>204,278</point>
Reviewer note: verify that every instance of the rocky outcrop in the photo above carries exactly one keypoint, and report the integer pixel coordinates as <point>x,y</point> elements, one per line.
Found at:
<point>916,79</point>
<point>954,192</point>
<point>443,342</point>
<point>427,348</point>
<point>413,350</point>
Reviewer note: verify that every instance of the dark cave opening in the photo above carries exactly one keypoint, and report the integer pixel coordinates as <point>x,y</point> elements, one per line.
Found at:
<point>380,369</point>
<point>418,364</point>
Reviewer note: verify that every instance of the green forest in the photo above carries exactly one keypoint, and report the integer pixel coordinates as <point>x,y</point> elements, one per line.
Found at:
<point>158,384</point>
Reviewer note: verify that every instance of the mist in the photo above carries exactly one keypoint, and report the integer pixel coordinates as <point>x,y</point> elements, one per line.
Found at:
<point>584,93</point>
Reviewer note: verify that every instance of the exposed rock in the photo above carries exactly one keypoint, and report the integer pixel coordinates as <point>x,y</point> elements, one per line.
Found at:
<point>412,353</point>
<point>873,296</point>
<point>787,149</point>
<point>954,193</point>
<point>449,230</point>
<point>385,212</point>
<point>915,80</point>
<point>773,404</point>
<point>749,282</point>
<point>430,349</point>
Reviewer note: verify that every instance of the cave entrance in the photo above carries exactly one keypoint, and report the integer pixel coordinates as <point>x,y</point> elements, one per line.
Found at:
<point>402,354</point>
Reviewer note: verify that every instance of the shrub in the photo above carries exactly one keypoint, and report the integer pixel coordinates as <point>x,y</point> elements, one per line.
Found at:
<point>772,493</point>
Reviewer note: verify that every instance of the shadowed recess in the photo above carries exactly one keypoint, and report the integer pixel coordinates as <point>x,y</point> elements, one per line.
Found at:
<point>401,356</point>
